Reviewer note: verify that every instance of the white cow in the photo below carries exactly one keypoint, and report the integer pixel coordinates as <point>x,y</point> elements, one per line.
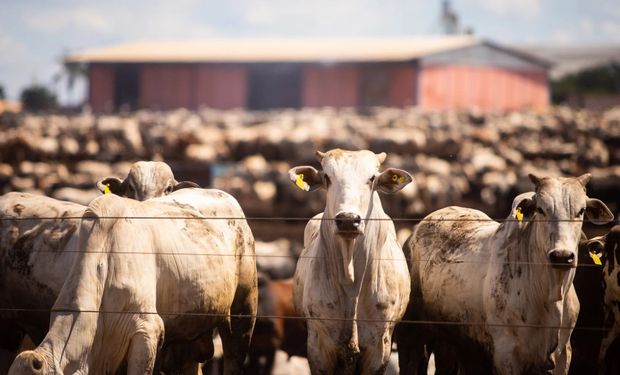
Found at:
<point>135,281</point>
<point>145,180</point>
<point>351,281</point>
<point>507,288</point>
<point>34,232</point>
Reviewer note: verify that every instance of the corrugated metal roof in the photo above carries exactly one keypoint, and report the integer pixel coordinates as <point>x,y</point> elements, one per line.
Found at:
<point>274,50</point>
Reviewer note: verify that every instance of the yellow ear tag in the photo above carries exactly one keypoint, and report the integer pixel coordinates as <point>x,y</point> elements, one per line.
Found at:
<point>395,178</point>
<point>596,258</point>
<point>401,180</point>
<point>301,183</point>
<point>519,214</point>
<point>106,189</point>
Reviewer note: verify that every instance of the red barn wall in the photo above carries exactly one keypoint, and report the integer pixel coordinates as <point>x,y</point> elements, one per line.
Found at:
<point>166,87</point>
<point>335,86</point>
<point>463,86</point>
<point>403,85</point>
<point>101,87</point>
<point>191,86</point>
<point>221,87</point>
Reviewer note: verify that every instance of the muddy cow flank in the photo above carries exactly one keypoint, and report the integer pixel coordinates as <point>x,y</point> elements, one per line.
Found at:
<point>515,277</point>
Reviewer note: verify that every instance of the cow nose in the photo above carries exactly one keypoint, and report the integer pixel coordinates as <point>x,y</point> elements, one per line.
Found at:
<point>562,258</point>
<point>348,222</point>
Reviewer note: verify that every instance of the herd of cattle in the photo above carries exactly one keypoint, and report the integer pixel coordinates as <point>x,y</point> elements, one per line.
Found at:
<point>141,280</point>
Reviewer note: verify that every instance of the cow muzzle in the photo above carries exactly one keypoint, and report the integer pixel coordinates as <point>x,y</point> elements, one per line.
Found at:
<point>28,362</point>
<point>348,224</point>
<point>562,258</point>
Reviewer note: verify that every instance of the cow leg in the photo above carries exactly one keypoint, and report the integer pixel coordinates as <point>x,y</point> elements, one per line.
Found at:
<point>412,358</point>
<point>322,352</point>
<point>374,357</point>
<point>237,332</point>
<point>144,345</point>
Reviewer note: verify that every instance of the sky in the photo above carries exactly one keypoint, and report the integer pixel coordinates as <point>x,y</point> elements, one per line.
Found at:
<point>35,34</point>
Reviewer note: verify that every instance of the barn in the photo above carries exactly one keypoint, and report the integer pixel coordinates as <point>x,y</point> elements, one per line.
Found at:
<point>429,72</point>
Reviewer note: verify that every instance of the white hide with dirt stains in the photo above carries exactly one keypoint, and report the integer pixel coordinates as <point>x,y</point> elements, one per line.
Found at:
<point>472,269</point>
<point>343,281</point>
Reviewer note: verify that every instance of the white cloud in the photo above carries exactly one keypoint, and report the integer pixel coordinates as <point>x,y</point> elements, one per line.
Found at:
<point>12,51</point>
<point>126,20</point>
<point>586,26</point>
<point>343,17</point>
<point>82,18</point>
<point>612,30</point>
<point>523,8</point>
<point>562,37</point>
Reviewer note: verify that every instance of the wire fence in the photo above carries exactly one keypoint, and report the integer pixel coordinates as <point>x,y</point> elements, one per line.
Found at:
<point>292,256</point>
<point>283,218</point>
<point>290,317</point>
<point>294,219</point>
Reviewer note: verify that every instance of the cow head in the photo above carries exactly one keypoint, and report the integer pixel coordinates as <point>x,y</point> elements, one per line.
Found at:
<point>146,179</point>
<point>606,247</point>
<point>558,208</point>
<point>350,178</point>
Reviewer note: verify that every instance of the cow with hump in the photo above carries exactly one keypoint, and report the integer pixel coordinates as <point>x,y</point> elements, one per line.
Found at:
<point>35,232</point>
<point>146,272</point>
<point>351,281</point>
<point>505,288</point>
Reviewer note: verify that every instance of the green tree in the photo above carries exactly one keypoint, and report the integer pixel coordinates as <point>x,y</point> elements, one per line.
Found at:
<point>38,98</point>
<point>603,79</point>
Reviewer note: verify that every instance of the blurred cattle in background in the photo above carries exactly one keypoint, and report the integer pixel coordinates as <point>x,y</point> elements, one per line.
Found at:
<point>467,157</point>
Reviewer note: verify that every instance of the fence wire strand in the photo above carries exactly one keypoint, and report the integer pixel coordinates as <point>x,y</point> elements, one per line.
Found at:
<point>282,218</point>
<point>289,317</point>
<point>298,219</point>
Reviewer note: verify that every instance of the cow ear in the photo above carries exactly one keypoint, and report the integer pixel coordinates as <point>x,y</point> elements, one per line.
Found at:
<point>392,180</point>
<point>584,179</point>
<point>113,184</point>
<point>184,184</point>
<point>527,207</point>
<point>595,245</point>
<point>306,177</point>
<point>535,179</point>
<point>597,212</point>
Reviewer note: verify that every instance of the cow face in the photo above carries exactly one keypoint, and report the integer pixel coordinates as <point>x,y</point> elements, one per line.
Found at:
<point>146,180</point>
<point>350,178</point>
<point>558,207</point>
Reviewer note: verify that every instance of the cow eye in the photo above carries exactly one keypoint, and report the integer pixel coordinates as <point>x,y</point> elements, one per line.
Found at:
<point>581,212</point>
<point>168,189</point>
<point>371,180</point>
<point>540,211</point>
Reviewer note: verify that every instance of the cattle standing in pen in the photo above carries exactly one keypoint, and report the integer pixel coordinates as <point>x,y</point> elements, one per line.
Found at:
<point>134,284</point>
<point>351,281</point>
<point>508,287</point>
<point>604,346</point>
<point>34,233</point>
